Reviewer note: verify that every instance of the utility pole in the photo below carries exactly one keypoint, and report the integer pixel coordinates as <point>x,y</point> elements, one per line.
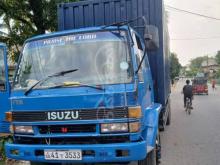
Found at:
<point>208,66</point>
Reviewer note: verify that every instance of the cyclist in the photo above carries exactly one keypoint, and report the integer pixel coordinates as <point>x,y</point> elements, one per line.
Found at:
<point>188,92</point>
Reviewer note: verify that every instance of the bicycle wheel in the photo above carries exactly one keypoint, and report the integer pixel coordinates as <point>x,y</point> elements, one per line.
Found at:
<point>189,110</point>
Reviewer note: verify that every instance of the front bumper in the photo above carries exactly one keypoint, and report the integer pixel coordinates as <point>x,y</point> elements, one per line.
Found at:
<point>102,152</point>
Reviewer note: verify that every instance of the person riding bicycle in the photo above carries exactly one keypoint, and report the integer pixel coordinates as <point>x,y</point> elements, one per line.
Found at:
<point>188,92</point>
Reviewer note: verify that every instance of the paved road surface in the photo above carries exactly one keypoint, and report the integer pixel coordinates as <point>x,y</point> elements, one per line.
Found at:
<point>194,139</point>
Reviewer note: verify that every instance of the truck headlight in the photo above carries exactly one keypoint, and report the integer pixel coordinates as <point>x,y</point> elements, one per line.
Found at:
<point>134,127</point>
<point>23,129</point>
<point>114,127</point>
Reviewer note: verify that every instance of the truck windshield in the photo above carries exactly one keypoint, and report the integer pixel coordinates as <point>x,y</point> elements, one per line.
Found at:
<point>100,57</point>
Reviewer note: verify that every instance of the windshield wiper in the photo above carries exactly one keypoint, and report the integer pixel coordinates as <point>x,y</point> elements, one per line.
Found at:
<point>77,84</point>
<point>62,73</point>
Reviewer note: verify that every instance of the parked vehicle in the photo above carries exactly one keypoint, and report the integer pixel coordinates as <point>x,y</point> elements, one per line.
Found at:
<point>96,91</point>
<point>200,85</point>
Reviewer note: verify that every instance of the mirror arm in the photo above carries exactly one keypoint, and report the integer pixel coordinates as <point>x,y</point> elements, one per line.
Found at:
<point>139,66</point>
<point>129,32</point>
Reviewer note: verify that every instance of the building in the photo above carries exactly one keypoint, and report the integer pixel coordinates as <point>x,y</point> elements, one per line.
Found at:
<point>210,67</point>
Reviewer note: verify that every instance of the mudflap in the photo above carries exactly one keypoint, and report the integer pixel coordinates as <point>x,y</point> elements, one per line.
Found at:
<point>165,115</point>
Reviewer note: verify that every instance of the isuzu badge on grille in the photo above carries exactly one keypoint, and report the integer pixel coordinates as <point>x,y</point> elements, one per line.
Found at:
<point>63,115</point>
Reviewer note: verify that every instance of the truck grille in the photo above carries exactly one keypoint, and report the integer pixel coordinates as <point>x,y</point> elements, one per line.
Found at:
<point>85,114</point>
<point>84,128</point>
<point>72,140</point>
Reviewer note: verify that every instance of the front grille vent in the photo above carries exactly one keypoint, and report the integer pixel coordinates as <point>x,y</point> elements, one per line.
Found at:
<point>72,140</point>
<point>60,115</point>
<point>83,128</point>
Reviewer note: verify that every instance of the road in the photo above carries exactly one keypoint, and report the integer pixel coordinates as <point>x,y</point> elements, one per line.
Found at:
<point>194,139</point>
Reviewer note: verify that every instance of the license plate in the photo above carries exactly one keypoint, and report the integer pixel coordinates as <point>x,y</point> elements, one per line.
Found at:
<point>63,154</point>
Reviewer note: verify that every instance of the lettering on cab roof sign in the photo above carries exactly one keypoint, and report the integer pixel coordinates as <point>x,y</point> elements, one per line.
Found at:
<point>72,38</point>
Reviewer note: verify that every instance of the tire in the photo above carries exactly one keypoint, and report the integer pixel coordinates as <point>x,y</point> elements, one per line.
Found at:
<point>150,159</point>
<point>162,128</point>
<point>189,110</point>
<point>161,122</point>
<point>169,118</point>
<point>153,158</point>
<point>158,148</point>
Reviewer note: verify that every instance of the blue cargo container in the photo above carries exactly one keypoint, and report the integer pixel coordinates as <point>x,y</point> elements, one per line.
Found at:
<point>105,12</point>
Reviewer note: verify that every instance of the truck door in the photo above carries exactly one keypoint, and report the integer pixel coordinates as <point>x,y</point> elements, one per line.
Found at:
<point>4,89</point>
<point>144,76</point>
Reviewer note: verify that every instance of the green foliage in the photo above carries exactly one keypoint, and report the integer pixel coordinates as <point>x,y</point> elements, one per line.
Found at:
<point>196,66</point>
<point>26,18</point>
<point>217,57</point>
<point>218,74</point>
<point>3,141</point>
<point>175,66</point>
<point>196,63</point>
<point>192,72</point>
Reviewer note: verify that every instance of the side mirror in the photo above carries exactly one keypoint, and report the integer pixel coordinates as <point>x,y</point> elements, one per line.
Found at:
<point>151,37</point>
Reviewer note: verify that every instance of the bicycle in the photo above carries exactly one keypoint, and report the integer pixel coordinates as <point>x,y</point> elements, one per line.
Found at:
<point>188,106</point>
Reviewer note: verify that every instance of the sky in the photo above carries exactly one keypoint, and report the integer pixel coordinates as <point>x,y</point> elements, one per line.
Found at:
<point>186,29</point>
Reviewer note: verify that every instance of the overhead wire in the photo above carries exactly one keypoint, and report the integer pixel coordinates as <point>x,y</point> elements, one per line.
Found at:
<point>196,14</point>
<point>193,13</point>
<point>199,38</point>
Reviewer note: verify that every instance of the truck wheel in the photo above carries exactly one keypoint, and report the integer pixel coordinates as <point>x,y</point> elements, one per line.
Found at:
<point>158,148</point>
<point>169,118</point>
<point>153,158</point>
<point>150,159</point>
<point>162,128</point>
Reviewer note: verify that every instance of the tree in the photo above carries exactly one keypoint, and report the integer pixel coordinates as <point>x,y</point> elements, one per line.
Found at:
<point>218,74</point>
<point>196,63</point>
<point>217,57</point>
<point>175,66</point>
<point>26,18</point>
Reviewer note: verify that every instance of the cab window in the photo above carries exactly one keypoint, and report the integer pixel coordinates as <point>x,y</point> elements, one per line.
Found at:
<point>139,52</point>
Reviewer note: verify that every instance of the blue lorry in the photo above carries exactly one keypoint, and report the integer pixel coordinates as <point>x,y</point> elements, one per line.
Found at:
<point>96,91</point>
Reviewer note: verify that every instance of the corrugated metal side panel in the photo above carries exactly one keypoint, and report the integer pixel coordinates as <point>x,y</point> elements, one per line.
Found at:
<point>159,60</point>
<point>104,12</point>
<point>101,12</point>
